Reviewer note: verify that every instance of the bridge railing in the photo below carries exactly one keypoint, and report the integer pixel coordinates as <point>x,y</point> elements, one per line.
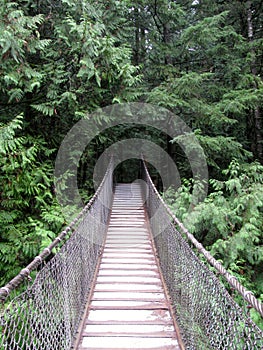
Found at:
<point>46,315</point>
<point>208,317</point>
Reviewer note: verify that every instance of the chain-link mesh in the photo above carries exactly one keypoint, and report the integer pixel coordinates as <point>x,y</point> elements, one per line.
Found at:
<point>207,315</point>
<point>47,314</point>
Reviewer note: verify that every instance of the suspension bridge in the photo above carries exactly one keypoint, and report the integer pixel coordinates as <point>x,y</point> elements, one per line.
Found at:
<point>126,274</point>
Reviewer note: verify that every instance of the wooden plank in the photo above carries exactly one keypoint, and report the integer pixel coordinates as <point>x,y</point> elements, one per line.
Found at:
<point>134,348</point>
<point>128,279</point>
<point>121,255</point>
<point>123,232</point>
<point>132,215</point>
<point>147,249</point>
<point>127,305</point>
<point>119,330</point>
<point>122,229</point>
<point>135,266</point>
<point>143,273</point>
<point>127,260</point>
<point>153,316</point>
<point>129,343</point>
<point>127,239</point>
<point>134,295</point>
<point>127,245</point>
<point>165,334</point>
<point>128,287</point>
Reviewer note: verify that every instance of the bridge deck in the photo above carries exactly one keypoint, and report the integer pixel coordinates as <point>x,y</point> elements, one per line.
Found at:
<point>128,308</point>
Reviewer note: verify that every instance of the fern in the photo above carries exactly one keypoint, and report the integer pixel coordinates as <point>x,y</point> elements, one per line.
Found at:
<point>26,180</point>
<point>44,108</point>
<point>7,141</point>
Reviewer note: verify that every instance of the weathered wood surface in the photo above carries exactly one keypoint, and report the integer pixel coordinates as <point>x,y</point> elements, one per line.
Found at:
<point>128,308</point>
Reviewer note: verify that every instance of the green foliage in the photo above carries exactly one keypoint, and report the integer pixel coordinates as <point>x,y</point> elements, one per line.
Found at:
<point>28,214</point>
<point>19,40</point>
<point>215,146</point>
<point>229,222</point>
<point>206,32</point>
<point>19,32</point>
<point>57,64</point>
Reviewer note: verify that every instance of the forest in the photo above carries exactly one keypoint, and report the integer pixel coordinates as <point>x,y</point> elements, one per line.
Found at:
<point>200,59</point>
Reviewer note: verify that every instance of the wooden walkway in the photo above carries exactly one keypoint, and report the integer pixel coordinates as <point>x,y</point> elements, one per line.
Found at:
<point>128,307</point>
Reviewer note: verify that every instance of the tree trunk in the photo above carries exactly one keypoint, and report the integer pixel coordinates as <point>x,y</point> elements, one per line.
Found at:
<point>167,40</point>
<point>137,37</point>
<point>257,139</point>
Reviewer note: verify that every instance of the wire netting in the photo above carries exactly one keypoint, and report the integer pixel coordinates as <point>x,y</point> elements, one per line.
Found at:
<point>48,313</point>
<point>208,317</point>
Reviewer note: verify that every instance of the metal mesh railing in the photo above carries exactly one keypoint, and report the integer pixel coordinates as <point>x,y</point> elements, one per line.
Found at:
<point>46,316</point>
<point>207,315</point>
